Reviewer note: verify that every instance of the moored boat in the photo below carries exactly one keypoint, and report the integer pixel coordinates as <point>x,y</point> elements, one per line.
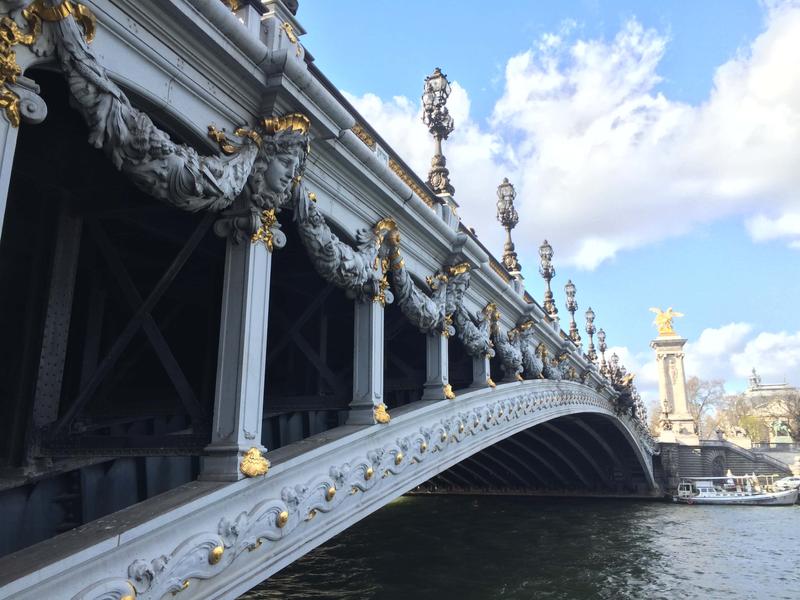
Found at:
<point>733,490</point>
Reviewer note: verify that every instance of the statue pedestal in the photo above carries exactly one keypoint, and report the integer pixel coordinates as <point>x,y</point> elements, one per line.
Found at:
<point>672,390</point>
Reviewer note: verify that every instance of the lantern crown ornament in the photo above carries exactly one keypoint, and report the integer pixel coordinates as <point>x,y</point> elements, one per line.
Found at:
<point>572,306</point>
<point>547,271</point>
<point>591,353</point>
<point>440,124</point>
<point>508,217</point>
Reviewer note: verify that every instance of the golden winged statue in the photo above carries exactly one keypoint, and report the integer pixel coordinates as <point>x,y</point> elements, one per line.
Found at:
<point>663,320</point>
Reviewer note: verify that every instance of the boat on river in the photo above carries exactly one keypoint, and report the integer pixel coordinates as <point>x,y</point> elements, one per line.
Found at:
<point>735,490</point>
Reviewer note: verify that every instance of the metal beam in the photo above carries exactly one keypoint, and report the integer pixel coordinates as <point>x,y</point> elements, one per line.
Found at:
<point>151,330</point>
<point>134,324</point>
<point>603,444</point>
<point>563,457</point>
<point>536,456</point>
<point>581,450</point>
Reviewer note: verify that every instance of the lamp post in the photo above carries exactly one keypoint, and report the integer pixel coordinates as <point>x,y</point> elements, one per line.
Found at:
<point>548,272</point>
<point>601,339</point>
<point>590,329</point>
<point>508,217</point>
<point>436,116</point>
<point>572,306</point>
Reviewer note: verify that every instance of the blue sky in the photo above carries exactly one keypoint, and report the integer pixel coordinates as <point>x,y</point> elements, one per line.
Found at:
<point>656,144</point>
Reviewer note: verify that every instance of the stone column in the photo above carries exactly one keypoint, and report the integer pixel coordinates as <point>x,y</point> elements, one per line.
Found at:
<point>241,363</point>
<point>481,372</point>
<point>672,390</point>
<point>8,146</point>
<point>436,367</point>
<point>367,363</point>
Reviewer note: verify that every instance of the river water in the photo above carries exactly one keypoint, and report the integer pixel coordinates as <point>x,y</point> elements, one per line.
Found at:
<point>486,547</point>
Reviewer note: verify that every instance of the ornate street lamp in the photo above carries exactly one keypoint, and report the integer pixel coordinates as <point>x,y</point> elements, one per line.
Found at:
<point>601,339</point>
<point>572,306</point>
<point>508,217</point>
<point>590,329</point>
<point>436,116</point>
<point>548,272</point>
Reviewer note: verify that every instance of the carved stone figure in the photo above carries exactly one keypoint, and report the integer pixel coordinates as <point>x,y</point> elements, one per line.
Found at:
<point>472,331</point>
<point>262,165</point>
<point>173,173</point>
<point>359,271</point>
<point>527,343</point>
<point>507,345</point>
<point>428,314</point>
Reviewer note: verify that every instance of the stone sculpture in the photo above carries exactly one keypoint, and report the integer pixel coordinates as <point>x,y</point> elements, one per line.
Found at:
<point>527,343</point>
<point>507,345</point>
<point>359,271</point>
<point>259,169</point>
<point>426,313</point>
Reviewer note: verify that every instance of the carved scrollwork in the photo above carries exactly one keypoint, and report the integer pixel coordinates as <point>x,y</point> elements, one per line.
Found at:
<point>360,271</point>
<point>507,345</point>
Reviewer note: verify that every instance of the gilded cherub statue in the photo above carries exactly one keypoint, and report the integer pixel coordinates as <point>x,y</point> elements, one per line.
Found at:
<point>663,320</point>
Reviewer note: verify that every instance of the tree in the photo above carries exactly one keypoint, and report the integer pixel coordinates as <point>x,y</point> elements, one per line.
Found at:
<point>655,419</point>
<point>703,398</point>
<point>740,411</point>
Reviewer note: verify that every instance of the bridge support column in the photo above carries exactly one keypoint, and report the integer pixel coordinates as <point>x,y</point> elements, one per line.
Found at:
<point>241,362</point>
<point>367,363</point>
<point>8,146</point>
<point>436,361</point>
<point>481,372</point>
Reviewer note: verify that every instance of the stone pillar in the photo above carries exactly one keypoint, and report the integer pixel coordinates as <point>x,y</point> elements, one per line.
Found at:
<point>678,426</point>
<point>367,363</point>
<point>241,363</point>
<point>481,372</point>
<point>436,367</point>
<point>8,146</point>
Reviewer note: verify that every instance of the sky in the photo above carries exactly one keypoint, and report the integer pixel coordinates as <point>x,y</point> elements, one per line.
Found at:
<point>656,145</point>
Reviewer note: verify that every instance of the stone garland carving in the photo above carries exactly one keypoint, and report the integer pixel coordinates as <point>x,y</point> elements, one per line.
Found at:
<point>173,173</point>
<point>427,313</point>
<point>362,271</point>
<point>207,554</point>
<point>260,167</point>
<point>507,345</point>
<point>473,332</point>
<point>527,343</point>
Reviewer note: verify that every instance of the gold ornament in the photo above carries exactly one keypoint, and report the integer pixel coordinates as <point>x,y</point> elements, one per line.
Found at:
<point>381,414</point>
<point>215,555</point>
<point>254,464</point>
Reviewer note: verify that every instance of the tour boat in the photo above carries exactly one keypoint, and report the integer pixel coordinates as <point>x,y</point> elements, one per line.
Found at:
<point>733,489</point>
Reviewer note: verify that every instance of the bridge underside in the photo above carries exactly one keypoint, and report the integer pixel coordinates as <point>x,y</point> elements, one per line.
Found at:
<point>572,455</point>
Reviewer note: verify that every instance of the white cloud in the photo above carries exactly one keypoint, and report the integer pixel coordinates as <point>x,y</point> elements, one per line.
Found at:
<point>710,356</point>
<point>603,162</point>
<point>727,353</point>
<point>776,356</point>
<point>764,229</point>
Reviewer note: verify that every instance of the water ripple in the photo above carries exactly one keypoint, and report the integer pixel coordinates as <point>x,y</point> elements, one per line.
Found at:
<point>524,549</point>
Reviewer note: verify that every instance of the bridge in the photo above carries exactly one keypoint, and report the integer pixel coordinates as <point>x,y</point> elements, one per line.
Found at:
<point>237,323</point>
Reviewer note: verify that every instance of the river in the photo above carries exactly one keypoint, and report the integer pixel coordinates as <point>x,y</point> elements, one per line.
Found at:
<point>487,547</point>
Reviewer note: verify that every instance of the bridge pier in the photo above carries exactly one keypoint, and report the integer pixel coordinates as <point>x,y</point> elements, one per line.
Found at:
<point>481,371</point>
<point>437,367</point>
<point>241,363</point>
<point>367,362</point>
